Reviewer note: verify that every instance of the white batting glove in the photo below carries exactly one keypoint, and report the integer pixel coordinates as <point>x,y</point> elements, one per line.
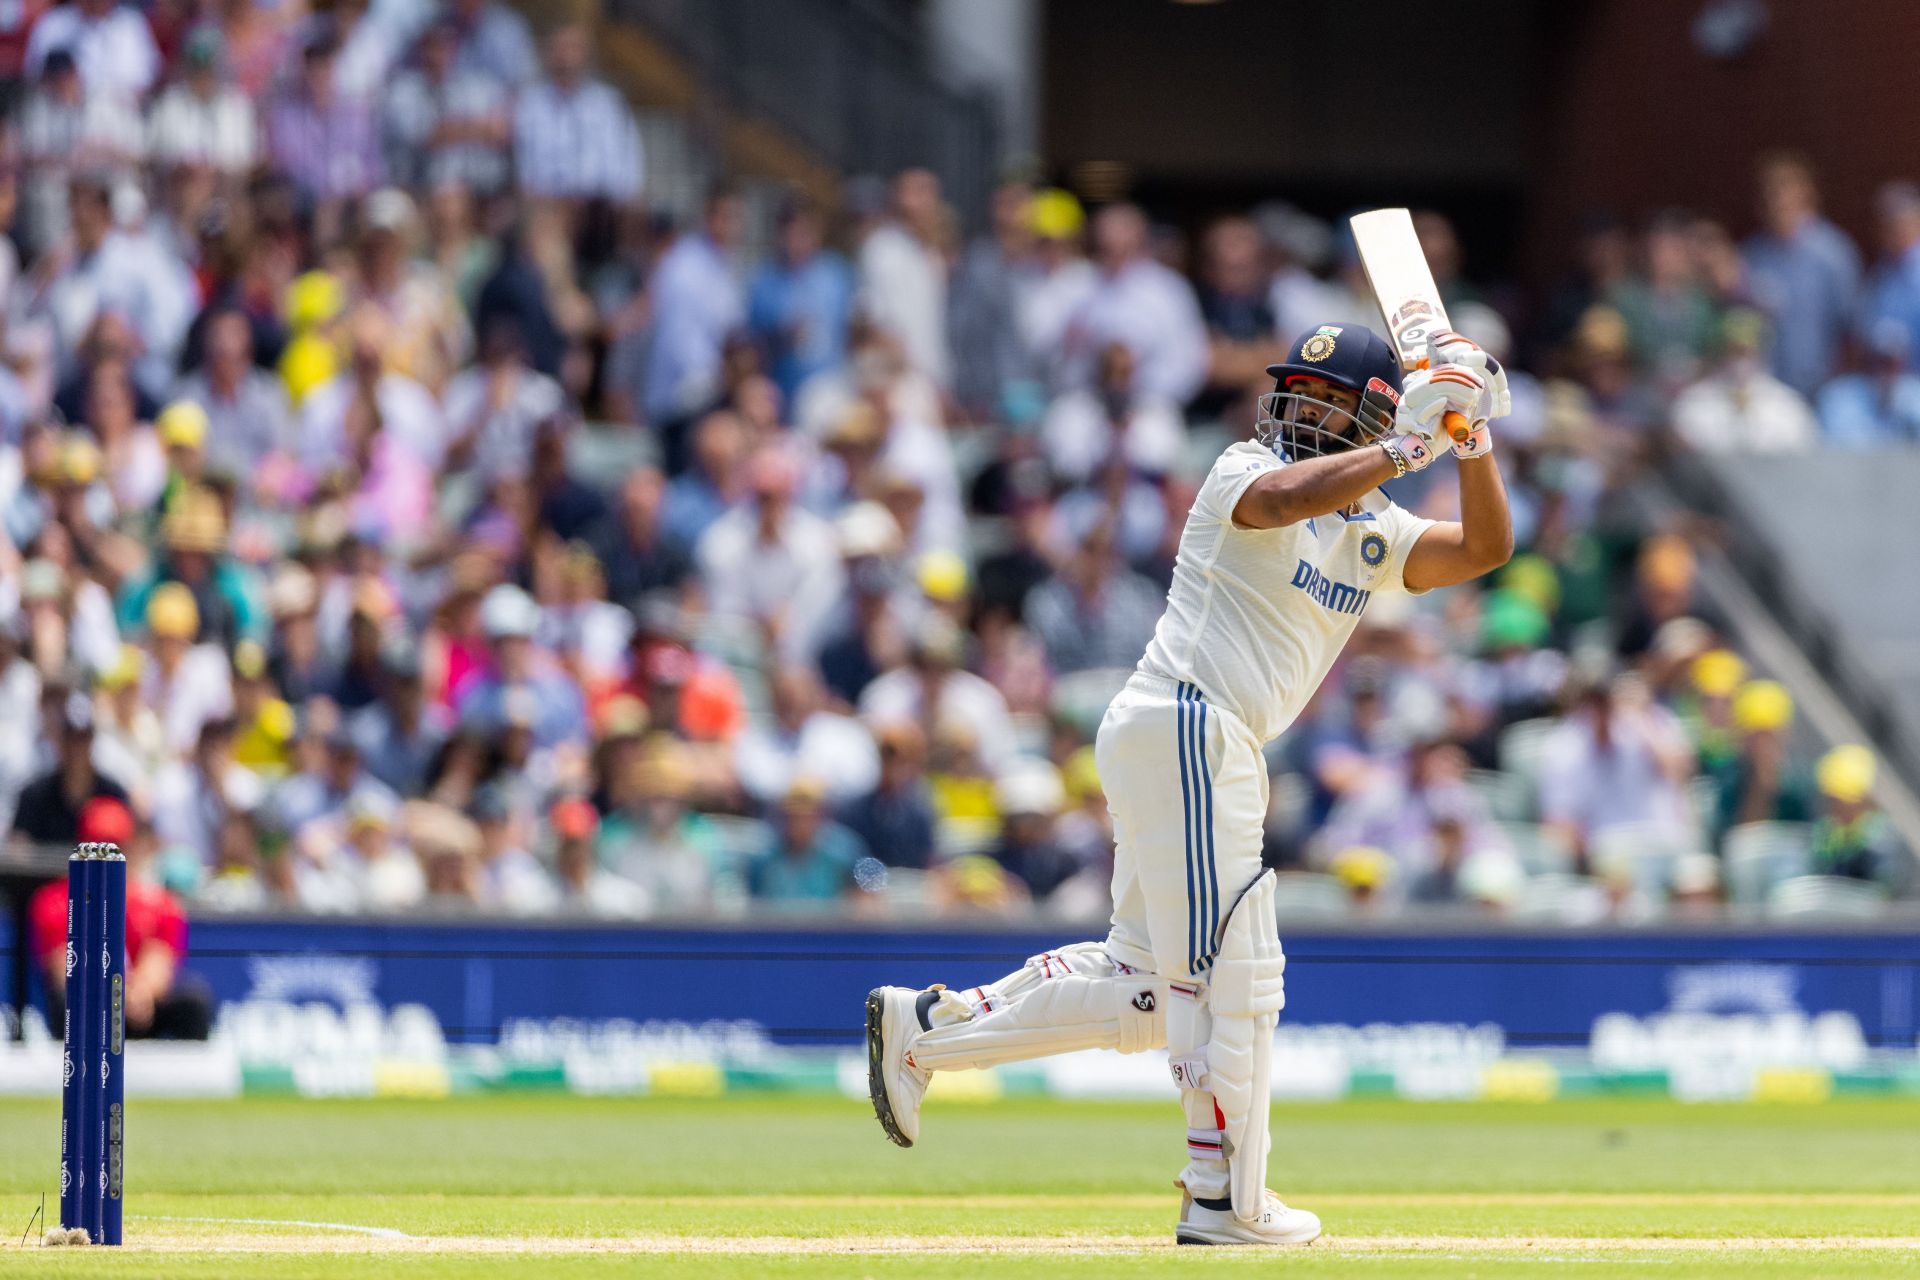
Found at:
<point>1428,395</point>
<point>1444,346</point>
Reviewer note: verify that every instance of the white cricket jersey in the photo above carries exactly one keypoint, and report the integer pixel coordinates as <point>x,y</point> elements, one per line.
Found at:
<point>1257,616</point>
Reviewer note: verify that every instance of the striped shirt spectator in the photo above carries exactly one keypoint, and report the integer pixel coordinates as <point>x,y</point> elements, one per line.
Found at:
<point>573,136</point>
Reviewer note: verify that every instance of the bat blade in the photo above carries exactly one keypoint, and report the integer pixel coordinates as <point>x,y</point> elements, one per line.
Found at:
<point>1401,281</point>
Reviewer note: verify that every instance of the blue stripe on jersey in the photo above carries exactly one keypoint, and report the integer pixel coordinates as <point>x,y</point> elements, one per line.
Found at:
<point>1187,807</point>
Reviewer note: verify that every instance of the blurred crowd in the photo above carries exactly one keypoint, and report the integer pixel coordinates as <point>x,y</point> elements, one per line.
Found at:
<point>398,510</point>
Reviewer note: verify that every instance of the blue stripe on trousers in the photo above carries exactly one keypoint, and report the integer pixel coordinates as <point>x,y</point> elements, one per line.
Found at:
<point>1213,865</point>
<point>1187,807</point>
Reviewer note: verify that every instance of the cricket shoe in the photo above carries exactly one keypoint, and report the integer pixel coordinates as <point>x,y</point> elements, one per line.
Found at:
<point>895,1015</point>
<point>1212,1222</point>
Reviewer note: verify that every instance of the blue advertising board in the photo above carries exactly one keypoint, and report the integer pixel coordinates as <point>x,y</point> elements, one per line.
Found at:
<point>804,984</point>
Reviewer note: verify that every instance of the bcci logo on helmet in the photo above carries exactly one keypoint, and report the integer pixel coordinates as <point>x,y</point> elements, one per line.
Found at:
<point>1320,345</point>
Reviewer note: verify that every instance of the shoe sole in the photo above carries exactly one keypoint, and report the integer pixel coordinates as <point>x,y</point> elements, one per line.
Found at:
<point>876,1072</point>
<point>1182,1237</point>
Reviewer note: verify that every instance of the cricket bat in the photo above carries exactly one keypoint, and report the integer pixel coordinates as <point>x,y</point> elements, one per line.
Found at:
<point>1402,285</point>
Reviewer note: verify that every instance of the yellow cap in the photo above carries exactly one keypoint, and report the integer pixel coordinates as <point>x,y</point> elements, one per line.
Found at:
<point>1761,705</point>
<point>172,613</point>
<point>182,425</point>
<point>195,521</point>
<point>126,669</point>
<point>276,720</point>
<point>79,460</point>
<point>308,361</point>
<point>942,575</point>
<point>1718,672</point>
<point>1846,773</point>
<point>313,299</point>
<point>249,660</point>
<point>1362,867</point>
<point>1055,214</point>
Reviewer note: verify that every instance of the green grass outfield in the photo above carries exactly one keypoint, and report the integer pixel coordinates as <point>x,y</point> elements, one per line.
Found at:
<point>807,1188</point>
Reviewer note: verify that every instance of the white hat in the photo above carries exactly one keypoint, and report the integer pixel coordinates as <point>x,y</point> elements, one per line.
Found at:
<point>1031,788</point>
<point>508,611</point>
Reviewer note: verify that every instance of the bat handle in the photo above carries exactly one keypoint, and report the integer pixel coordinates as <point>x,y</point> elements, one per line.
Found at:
<point>1456,424</point>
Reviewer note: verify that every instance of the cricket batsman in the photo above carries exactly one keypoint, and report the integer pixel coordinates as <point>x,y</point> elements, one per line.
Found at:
<point>1289,539</point>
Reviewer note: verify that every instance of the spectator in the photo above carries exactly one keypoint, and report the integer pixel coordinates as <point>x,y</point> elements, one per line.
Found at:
<point>108,270</point>
<point>1616,760</point>
<point>654,841</point>
<point>573,137</point>
<point>1096,612</point>
<point>1669,318</point>
<point>326,142</point>
<point>991,357</point>
<point>376,433</point>
<point>401,734</point>
<point>1087,426</point>
<point>1880,405</point>
<point>808,859</point>
<point>772,563</point>
<point>895,817</point>
<point>494,408</point>
<point>1852,837</point>
<point>110,43</point>
<point>1893,292</point>
<point>50,808</point>
<point>187,681</point>
<point>193,799</point>
<point>494,41</point>
<point>933,691</point>
<point>194,534</point>
<point>903,274</point>
<point>446,125</point>
<point>509,618</point>
<point>697,305</point>
<point>249,425</point>
<point>1234,302</point>
<point>1058,285</point>
<point>389,875</point>
<point>161,1003</point>
<point>1029,800</point>
<point>801,301</point>
<point>64,132</point>
<point>202,120</point>
<point>323,793</point>
<point>429,334</point>
<point>804,740</point>
<point>510,878</point>
<point>1803,271</point>
<point>1144,307</point>
<point>640,553</point>
<point>586,888</point>
<point>1739,406</point>
<point>1760,782</point>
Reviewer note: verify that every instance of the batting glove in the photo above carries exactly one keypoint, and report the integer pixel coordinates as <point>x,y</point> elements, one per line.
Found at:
<point>1444,346</point>
<point>1428,395</point>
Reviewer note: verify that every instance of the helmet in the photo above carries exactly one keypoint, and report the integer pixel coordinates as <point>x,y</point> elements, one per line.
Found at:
<point>1351,357</point>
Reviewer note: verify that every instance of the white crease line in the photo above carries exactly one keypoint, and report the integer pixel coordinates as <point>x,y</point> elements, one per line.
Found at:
<point>385,1233</point>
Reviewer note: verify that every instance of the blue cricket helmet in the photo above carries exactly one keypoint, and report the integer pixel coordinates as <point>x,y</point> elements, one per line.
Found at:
<point>1350,356</point>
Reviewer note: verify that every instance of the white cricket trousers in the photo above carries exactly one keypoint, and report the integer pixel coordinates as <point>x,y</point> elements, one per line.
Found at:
<point>1187,786</point>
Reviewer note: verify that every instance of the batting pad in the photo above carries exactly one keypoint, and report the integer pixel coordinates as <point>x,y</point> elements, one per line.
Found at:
<point>1248,990</point>
<point>1075,998</point>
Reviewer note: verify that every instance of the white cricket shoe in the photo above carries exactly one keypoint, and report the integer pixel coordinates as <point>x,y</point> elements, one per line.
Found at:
<point>894,1082</point>
<point>1212,1222</point>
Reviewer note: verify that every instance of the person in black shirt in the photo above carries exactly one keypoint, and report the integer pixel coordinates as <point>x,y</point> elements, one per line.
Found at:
<point>49,808</point>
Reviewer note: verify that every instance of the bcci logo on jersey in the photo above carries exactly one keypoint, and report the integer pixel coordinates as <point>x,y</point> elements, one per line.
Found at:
<point>1327,593</point>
